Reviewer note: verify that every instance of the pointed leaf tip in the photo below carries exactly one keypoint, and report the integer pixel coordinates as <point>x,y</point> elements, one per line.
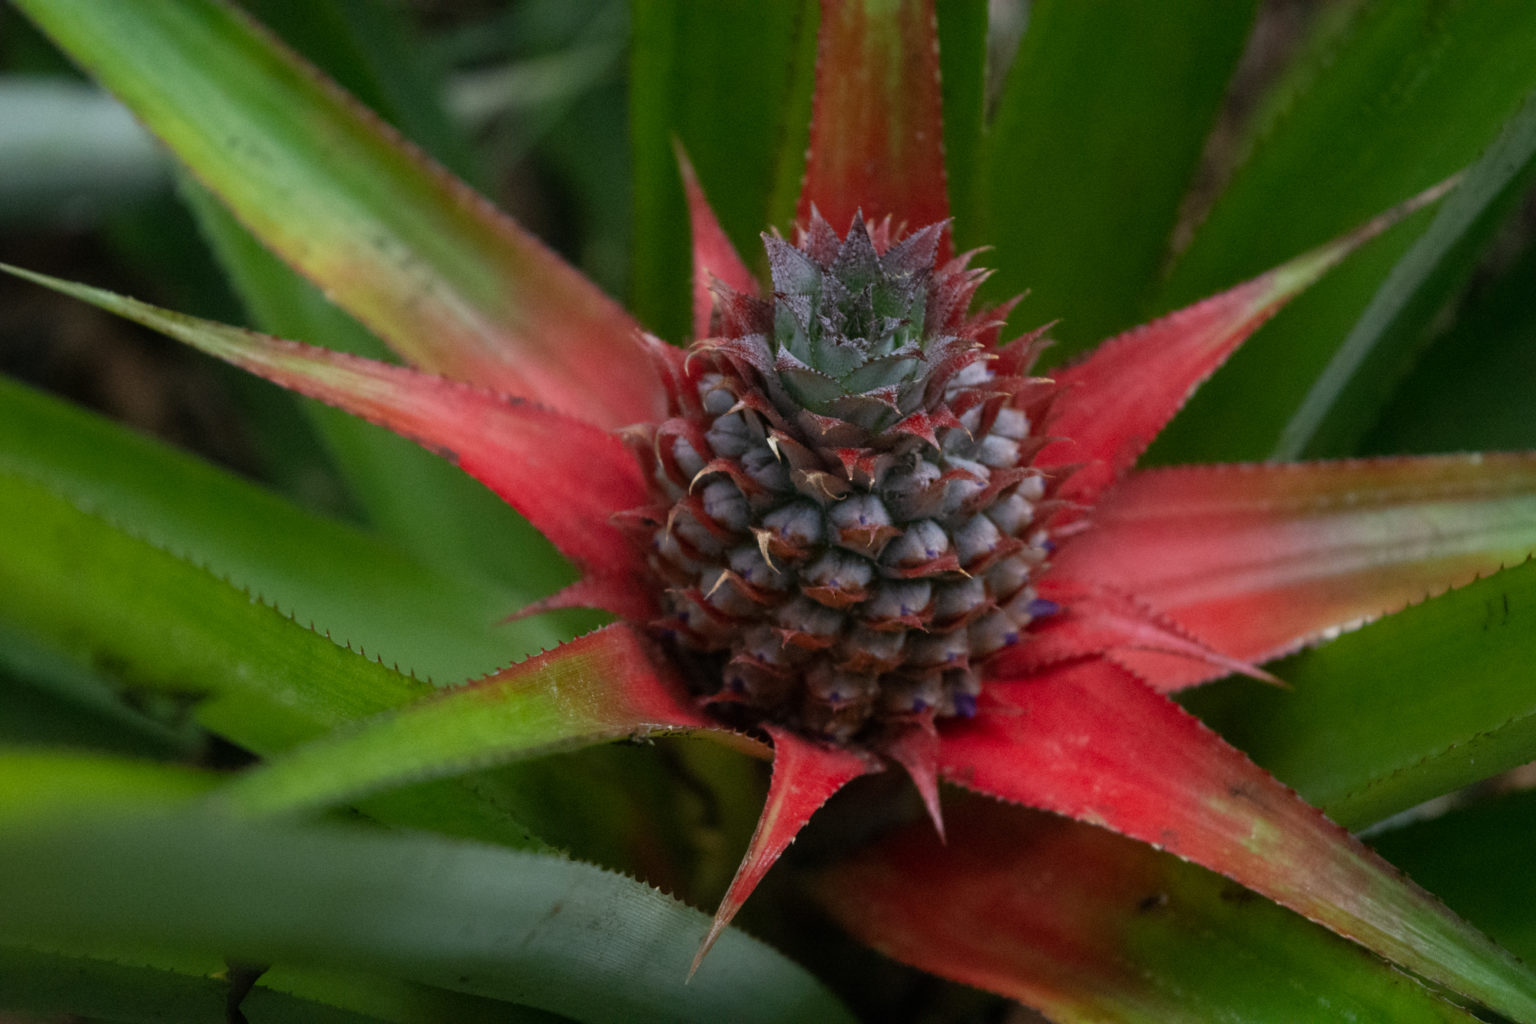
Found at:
<point>567,476</point>
<point>917,750</point>
<point>1105,620</point>
<point>714,257</point>
<point>805,776</point>
<point>605,685</point>
<point>1258,560</point>
<point>1119,398</point>
<point>1297,275</point>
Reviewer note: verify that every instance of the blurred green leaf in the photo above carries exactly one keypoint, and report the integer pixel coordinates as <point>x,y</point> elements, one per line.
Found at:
<point>1410,707</point>
<point>1095,141</point>
<point>1477,859</point>
<point>1475,387</point>
<point>103,990</point>
<point>347,582</point>
<point>1408,93</point>
<point>586,155</point>
<point>725,79</point>
<point>128,982</point>
<point>963,82</point>
<point>530,64</point>
<point>1355,383</point>
<point>48,700</point>
<point>156,624</point>
<point>468,918</point>
<point>49,784</point>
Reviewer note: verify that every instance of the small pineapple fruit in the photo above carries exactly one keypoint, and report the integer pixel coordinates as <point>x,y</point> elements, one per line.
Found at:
<point>847,521</point>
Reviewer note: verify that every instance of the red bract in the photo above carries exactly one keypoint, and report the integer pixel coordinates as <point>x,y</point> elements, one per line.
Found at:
<point>1150,581</point>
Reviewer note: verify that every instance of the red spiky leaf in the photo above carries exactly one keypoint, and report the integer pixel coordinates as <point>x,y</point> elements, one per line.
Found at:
<point>567,476</point>
<point>1085,925</point>
<point>1092,742</point>
<point>805,775</point>
<point>1100,621</point>
<point>1259,560</point>
<point>1118,399</point>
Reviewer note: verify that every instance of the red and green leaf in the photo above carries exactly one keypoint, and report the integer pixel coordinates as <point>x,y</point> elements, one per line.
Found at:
<point>877,132</point>
<point>1092,742</point>
<point>605,686</point>
<point>413,253</point>
<point>1419,704</point>
<point>566,475</point>
<point>1258,560</point>
<point>1118,399</point>
<point>1088,926</point>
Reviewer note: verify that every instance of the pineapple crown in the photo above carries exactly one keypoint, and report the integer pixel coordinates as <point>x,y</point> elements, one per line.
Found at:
<point>859,331</point>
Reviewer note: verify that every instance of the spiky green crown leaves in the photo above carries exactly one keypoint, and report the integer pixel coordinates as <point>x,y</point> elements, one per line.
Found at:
<point>849,332</point>
<point>859,331</point>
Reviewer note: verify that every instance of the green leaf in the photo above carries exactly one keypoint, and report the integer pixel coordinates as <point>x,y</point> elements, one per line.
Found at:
<point>158,625</point>
<point>595,689</point>
<point>524,72</point>
<point>45,699</point>
<point>118,986</point>
<point>963,84</point>
<point>729,80</point>
<point>1474,388</point>
<point>38,982</point>
<point>468,918</point>
<point>1094,142</point>
<point>1406,95</point>
<point>50,784</point>
<point>345,581</point>
<point>1408,708</point>
<point>155,624</point>
<point>1474,857</point>
<point>1353,386</point>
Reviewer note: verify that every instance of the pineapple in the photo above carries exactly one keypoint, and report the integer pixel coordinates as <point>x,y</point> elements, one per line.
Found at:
<point>847,524</point>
